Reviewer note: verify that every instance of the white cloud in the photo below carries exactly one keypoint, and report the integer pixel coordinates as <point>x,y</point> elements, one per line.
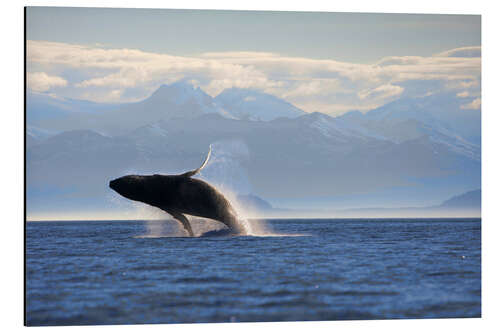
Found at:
<point>238,55</point>
<point>468,84</point>
<point>41,82</point>
<point>383,91</point>
<point>462,52</point>
<point>474,105</point>
<point>128,74</point>
<point>463,94</point>
<point>303,92</point>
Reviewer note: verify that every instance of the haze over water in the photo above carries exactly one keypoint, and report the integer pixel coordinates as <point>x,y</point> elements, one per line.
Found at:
<point>109,272</point>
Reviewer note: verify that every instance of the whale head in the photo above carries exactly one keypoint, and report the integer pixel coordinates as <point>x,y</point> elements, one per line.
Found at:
<point>131,187</point>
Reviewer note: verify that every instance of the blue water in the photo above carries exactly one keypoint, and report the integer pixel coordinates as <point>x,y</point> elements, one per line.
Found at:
<point>105,272</point>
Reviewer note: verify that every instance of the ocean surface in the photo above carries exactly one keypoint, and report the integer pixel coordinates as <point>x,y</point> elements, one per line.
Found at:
<point>131,272</point>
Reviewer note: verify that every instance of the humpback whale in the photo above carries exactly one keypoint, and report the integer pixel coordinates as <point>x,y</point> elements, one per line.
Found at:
<point>179,195</point>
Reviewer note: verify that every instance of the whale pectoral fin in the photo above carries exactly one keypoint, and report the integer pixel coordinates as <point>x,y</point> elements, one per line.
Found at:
<point>182,219</point>
<point>195,171</point>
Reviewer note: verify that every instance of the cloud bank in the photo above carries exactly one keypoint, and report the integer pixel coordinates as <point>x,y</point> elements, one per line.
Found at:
<point>122,75</point>
<point>41,82</point>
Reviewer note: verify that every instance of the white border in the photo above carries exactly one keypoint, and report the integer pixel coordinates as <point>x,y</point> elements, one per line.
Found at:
<point>12,165</point>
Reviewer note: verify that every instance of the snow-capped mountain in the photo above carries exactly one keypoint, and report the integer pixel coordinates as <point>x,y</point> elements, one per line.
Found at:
<point>35,135</point>
<point>181,99</point>
<point>438,117</point>
<point>283,158</point>
<point>249,104</point>
<point>38,133</point>
<point>46,108</point>
<point>338,128</point>
<point>426,148</point>
<point>177,100</point>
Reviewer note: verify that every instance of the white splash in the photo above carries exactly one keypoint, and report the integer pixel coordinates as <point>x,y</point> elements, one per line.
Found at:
<point>225,172</point>
<point>246,217</point>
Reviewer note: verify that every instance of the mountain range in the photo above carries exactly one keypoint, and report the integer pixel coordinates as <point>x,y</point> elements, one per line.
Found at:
<point>178,100</point>
<point>411,152</point>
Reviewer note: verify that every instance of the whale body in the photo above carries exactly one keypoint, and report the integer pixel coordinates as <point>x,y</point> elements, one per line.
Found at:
<point>178,195</point>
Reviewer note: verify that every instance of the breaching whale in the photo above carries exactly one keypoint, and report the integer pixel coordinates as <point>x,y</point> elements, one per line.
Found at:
<point>179,195</point>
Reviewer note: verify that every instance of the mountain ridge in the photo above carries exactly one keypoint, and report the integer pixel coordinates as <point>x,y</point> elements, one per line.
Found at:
<point>285,158</point>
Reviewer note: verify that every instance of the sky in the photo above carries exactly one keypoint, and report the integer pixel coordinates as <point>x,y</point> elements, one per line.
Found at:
<point>327,62</point>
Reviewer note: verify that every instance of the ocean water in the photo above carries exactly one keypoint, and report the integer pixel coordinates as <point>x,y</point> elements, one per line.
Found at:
<point>130,272</point>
